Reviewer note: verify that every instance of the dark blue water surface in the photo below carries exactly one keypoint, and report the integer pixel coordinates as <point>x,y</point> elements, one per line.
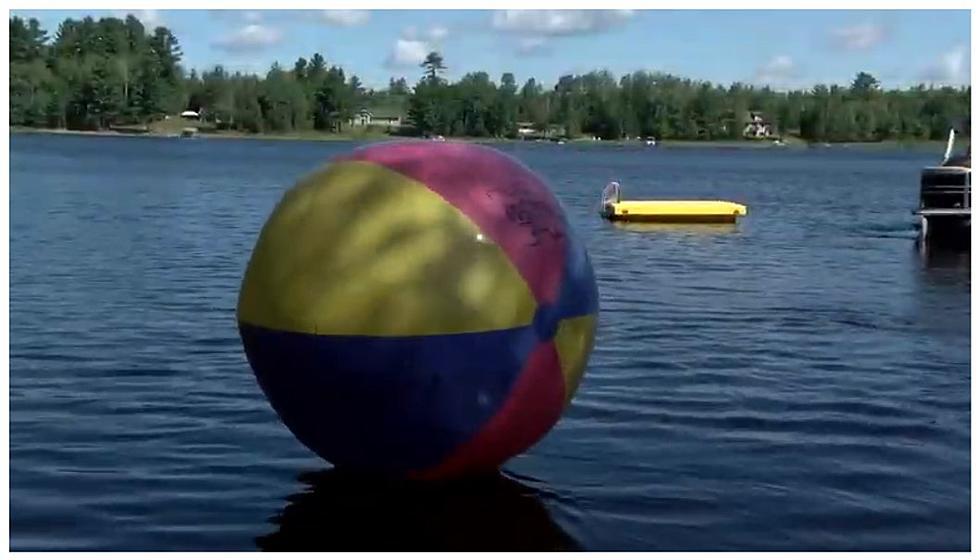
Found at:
<point>798,381</point>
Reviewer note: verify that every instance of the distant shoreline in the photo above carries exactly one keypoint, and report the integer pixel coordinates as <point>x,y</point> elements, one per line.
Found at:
<point>918,145</point>
<point>229,135</point>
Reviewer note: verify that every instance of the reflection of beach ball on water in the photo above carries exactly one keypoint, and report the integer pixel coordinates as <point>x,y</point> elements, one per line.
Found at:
<point>419,309</point>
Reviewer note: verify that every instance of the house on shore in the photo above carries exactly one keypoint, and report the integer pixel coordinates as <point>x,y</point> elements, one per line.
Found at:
<point>757,126</point>
<point>366,117</point>
<point>526,129</point>
<point>529,131</point>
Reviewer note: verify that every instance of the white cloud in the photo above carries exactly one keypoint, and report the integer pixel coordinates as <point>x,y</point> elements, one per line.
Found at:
<point>532,45</point>
<point>433,34</point>
<point>249,38</point>
<point>438,33</point>
<point>952,67</point>
<point>235,15</point>
<point>558,22</point>
<point>778,71</point>
<point>407,52</point>
<point>345,18</point>
<point>860,37</point>
<point>412,48</point>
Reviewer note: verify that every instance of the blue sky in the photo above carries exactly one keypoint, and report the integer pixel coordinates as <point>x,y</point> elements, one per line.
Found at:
<point>791,48</point>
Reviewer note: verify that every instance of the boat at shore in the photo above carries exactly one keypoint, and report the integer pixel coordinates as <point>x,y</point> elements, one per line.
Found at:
<point>667,211</point>
<point>944,210</point>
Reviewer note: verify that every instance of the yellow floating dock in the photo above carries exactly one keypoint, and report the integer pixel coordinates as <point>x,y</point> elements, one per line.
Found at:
<point>668,211</point>
<point>674,211</point>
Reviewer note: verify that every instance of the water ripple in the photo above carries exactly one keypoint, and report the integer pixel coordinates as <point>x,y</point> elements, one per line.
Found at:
<point>799,381</point>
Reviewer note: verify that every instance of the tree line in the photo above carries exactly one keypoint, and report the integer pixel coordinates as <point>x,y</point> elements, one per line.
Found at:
<point>96,74</point>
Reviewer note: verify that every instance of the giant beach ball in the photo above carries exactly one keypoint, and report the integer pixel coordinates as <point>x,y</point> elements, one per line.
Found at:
<point>419,309</point>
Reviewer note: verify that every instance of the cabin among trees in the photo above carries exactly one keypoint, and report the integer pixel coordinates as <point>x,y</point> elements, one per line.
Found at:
<point>366,117</point>
<point>757,126</point>
<point>527,130</point>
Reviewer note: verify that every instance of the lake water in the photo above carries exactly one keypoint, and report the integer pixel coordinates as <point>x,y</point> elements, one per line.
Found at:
<point>798,381</point>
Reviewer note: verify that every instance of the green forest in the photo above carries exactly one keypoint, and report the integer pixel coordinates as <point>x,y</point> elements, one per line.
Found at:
<point>98,74</point>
